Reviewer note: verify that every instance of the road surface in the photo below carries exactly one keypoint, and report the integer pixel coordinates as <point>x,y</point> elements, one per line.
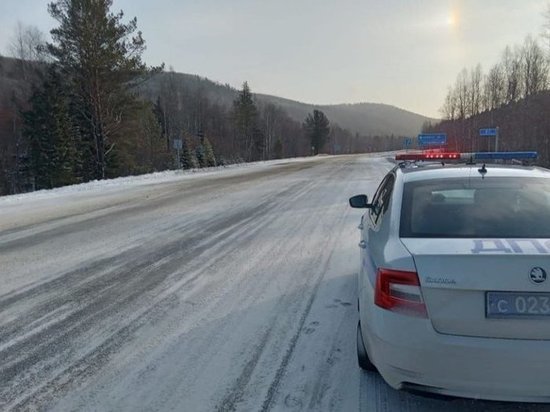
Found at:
<point>227,291</point>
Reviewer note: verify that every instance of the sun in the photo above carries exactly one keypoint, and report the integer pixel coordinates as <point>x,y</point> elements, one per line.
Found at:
<point>452,19</point>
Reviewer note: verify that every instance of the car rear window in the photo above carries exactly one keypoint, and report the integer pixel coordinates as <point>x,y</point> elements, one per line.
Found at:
<point>499,207</point>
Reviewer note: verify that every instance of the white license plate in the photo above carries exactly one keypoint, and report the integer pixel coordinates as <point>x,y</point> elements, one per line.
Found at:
<point>516,304</point>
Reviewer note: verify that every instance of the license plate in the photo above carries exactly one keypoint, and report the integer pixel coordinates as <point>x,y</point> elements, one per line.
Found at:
<point>519,305</point>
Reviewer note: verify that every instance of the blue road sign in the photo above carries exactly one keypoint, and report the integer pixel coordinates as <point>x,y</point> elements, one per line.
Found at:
<point>432,139</point>
<point>489,132</point>
<point>178,144</point>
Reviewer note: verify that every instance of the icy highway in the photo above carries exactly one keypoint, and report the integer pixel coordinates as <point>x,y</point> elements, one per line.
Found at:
<point>231,290</point>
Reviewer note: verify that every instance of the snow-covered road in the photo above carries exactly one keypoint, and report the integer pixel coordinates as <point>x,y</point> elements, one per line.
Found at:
<point>232,290</point>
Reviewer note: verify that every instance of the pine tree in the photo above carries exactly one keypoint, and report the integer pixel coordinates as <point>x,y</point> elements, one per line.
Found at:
<point>318,130</point>
<point>101,59</point>
<point>65,158</point>
<point>51,134</point>
<point>245,117</point>
<point>209,158</point>
<point>200,155</point>
<point>187,157</point>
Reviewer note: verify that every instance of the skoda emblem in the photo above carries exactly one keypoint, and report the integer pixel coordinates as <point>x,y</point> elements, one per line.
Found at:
<point>537,275</point>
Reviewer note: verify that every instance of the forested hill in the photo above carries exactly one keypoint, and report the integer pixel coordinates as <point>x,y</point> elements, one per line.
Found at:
<point>365,119</point>
<point>48,139</point>
<point>523,125</point>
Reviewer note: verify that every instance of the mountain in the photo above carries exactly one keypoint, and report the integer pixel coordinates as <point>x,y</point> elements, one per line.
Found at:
<point>366,119</point>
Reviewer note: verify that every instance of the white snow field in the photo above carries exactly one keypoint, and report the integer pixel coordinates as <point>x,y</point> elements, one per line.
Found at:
<point>221,291</point>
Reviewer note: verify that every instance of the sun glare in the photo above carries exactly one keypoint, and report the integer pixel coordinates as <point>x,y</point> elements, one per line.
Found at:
<point>452,19</point>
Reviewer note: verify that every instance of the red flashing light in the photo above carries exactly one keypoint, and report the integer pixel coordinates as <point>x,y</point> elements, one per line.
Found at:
<point>399,291</point>
<point>442,155</point>
<point>428,156</point>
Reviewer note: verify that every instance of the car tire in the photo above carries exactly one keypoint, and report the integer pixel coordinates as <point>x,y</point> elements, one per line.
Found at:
<point>362,355</point>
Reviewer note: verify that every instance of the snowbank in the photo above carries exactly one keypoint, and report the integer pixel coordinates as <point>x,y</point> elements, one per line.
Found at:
<point>145,179</point>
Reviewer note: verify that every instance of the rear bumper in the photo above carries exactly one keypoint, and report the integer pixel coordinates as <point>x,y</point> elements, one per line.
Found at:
<point>411,355</point>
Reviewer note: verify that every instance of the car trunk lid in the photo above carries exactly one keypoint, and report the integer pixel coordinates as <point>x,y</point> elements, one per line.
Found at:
<point>457,274</point>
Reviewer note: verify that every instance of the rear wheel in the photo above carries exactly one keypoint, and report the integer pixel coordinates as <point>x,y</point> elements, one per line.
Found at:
<point>362,355</point>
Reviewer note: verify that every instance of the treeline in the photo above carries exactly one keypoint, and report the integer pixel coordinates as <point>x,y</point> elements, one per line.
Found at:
<point>513,95</point>
<point>522,72</point>
<point>86,106</point>
<point>243,131</point>
<point>82,118</point>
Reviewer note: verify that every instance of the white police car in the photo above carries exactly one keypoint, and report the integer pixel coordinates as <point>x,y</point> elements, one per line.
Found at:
<point>454,295</point>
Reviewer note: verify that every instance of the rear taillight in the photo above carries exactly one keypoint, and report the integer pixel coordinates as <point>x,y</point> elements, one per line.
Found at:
<point>399,291</point>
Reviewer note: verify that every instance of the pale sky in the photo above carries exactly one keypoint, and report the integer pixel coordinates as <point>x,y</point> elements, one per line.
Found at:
<point>399,52</point>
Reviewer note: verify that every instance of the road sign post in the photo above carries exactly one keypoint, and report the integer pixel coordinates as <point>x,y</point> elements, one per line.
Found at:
<point>490,132</point>
<point>178,145</point>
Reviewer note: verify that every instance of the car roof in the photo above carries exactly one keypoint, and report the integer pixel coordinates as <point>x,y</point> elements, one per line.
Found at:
<point>428,171</point>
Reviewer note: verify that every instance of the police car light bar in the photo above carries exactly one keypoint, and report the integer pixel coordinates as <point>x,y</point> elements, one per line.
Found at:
<point>439,156</point>
<point>428,156</point>
<point>504,155</point>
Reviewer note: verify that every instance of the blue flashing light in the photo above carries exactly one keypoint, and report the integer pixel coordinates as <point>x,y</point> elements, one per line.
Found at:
<point>504,155</point>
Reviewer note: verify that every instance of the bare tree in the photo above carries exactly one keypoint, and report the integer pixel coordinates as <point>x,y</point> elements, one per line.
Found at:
<point>494,88</point>
<point>534,67</point>
<point>462,94</point>
<point>27,43</point>
<point>449,109</point>
<point>269,119</point>
<point>169,107</point>
<point>476,76</point>
<point>511,63</point>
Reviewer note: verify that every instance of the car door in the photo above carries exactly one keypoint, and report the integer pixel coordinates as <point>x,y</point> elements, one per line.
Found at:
<point>372,237</point>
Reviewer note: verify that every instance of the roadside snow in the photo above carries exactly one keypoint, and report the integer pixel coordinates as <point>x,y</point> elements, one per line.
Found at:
<point>146,179</point>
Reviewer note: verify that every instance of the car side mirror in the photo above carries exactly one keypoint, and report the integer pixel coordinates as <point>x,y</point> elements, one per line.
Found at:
<point>359,202</point>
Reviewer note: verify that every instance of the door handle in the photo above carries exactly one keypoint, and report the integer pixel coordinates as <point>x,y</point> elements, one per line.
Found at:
<point>363,244</point>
